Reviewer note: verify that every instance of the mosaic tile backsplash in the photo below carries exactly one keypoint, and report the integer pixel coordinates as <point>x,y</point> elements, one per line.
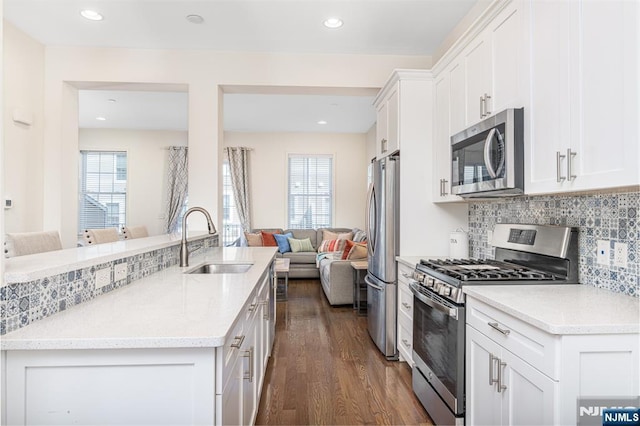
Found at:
<point>600,216</point>
<point>24,303</point>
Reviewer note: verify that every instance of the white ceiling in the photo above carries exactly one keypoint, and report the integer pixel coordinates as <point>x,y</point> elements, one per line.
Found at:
<point>388,27</point>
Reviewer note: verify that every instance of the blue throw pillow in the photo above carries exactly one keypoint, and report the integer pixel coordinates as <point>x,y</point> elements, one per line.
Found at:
<point>283,242</point>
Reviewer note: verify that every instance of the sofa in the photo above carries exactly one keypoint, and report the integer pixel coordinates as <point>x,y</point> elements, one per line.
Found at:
<point>336,275</point>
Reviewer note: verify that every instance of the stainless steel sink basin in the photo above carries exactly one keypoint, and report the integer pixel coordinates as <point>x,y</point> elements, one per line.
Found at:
<point>221,268</point>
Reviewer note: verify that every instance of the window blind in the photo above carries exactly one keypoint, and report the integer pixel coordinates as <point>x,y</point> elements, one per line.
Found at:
<point>103,190</point>
<point>310,193</point>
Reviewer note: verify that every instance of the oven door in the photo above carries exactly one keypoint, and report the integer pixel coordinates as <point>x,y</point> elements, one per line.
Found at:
<point>438,343</point>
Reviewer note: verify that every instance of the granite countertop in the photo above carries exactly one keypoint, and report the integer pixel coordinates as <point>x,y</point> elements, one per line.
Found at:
<point>564,309</point>
<point>168,309</point>
<point>35,266</point>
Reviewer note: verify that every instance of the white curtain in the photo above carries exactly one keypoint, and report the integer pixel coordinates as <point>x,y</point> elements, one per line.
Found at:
<point>177,186</point>
<point>238,159</point>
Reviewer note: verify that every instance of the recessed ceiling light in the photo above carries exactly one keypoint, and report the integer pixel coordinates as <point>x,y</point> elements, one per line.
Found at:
<point>101,118</point>
<point>111,100</point>
<point>322,122</point>
<point>195,19</point>
<point>91,15</point>
<point>333,23</point>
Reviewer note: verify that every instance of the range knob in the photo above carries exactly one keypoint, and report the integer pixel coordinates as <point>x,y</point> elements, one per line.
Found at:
<point>430,282</point>
<point>445,290</point>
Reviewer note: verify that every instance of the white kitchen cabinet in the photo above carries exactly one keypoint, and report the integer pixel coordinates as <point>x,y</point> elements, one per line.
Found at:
<point>505,389</point>
<point>405,314</point>
<point>457,100</point>
<point>443,93</point>
<point>387,136</point>
<point>543,374</point>
<point>493,64</point>
<point>583,105</point>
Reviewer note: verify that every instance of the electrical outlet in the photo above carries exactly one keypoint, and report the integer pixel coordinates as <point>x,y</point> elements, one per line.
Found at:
<point>103,277</point>
<point>489,237</point>
<point>602,255</point>
<point>120,271</point>
<point>620,254</point>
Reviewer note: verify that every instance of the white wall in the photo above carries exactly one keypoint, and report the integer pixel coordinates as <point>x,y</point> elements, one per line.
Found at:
<point>23,89</point>
<point>147,160</point>
<point>371,143</point>
<point>268,169</point>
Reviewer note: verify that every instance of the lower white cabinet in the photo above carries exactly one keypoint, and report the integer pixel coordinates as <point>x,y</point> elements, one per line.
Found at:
<point>159,386</point>
<point>405,314</point>
<point>517,373</point>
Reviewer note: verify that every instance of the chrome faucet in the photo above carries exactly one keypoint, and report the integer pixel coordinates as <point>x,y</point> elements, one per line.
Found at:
<point>184,252</point>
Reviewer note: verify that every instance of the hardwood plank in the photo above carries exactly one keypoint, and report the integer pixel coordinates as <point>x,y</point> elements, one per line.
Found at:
<point>325,369</point>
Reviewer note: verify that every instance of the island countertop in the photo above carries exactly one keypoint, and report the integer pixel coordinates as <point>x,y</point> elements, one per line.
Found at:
<point>168,309</point>
<point>564,309</point>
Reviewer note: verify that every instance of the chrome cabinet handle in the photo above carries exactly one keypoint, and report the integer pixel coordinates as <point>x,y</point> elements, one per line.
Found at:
<point>559,157</point>
<point>482,106</point>
<point>487,112</point>
<point>444,187</point>
<point>570,155</point>
<point>237,342</point>
<point>252,307</point>
<point>404,274</point>
<point>265,315</point>
<point>249,374</point>
<point>501,366</point>
<point>492,359</point>
<point>406,305</point>
<point>383,145</point>
<point>406,343</point>
<point>495,326</point>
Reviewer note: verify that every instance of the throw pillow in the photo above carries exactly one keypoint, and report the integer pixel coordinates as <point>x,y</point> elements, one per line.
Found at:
<point>358,252</point>
<point>331,245</point>
<point>359,235</point>
<point>301,245</point>
<point>349,246</point>
<point>328,235</point>
<point>283,242</point>
<point>254,239</point>
<point>268,240</point>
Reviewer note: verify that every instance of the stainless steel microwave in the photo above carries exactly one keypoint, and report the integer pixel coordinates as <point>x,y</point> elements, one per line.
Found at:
<point>487,159</point>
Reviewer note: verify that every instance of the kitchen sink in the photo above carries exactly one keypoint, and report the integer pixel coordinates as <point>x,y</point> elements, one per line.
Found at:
<point>221,268</point>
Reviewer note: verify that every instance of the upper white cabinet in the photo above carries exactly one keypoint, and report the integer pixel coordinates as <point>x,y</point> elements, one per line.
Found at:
<point>582,132</point>
<point>387,136</point>
<point>493,65</point>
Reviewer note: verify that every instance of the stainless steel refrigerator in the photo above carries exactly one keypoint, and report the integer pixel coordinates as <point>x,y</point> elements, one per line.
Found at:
<point>383,245</point>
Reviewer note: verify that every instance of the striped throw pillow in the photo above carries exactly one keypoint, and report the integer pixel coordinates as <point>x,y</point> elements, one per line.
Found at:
<point>327,246</point>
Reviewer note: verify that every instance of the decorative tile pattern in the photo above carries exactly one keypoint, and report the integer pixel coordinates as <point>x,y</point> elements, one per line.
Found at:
<point>25,303</point>
<point>598,216</point>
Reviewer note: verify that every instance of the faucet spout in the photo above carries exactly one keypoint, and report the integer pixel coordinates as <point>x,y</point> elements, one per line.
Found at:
<point>184,252</point>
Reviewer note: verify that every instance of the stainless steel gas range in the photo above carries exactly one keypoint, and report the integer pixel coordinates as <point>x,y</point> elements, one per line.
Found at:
<point>524,254</point>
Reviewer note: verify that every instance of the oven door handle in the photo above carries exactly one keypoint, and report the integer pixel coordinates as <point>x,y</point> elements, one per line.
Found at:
<point>452,312</point>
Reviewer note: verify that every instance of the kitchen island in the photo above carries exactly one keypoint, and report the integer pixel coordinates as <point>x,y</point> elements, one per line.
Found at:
<point>169,348</point>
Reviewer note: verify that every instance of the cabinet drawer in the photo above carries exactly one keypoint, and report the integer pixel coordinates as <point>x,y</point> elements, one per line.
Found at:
<point>538,348</point>
<point>405,339</point>
<point>405,301</point>
<point>404,272</point>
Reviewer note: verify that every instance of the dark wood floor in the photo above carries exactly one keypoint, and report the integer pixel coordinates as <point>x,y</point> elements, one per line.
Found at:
<point>325,369</point>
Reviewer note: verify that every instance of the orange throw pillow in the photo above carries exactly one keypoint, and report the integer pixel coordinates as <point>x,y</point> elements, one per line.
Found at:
<point>347,248</point>
<point>268,240</point>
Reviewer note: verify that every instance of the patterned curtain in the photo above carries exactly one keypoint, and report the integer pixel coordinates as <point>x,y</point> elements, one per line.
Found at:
<point>177,186</point>
<point>238,158</point>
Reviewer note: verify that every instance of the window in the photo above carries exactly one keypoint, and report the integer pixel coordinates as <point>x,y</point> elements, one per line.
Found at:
<point>231,227</point>
<point>103,190</point>
<point>310,191</point>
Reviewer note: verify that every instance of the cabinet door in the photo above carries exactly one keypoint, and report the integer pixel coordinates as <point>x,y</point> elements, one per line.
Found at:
<point>482,399</point>
<point>604,93</point>
<point>549,116</point>
<point>381,129</point>
<point>508,55</point>
<point>393,121</point>
<point>457,99</point>
<point>441,143</point>
<point>477,61</point>
<point>529,397</point>
<point>230,412</point>
<point>249,385</point>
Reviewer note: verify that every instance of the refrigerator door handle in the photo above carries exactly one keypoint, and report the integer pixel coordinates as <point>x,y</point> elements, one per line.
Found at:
<point>372,285</point>
<point>371,198</point>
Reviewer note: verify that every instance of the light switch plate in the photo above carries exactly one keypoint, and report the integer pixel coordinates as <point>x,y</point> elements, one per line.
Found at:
<point>103,277</point>
<point>120,271</point>
<point>602,254</point>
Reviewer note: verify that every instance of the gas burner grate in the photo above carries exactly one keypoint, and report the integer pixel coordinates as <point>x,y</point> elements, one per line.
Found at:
<point>483,270</point>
